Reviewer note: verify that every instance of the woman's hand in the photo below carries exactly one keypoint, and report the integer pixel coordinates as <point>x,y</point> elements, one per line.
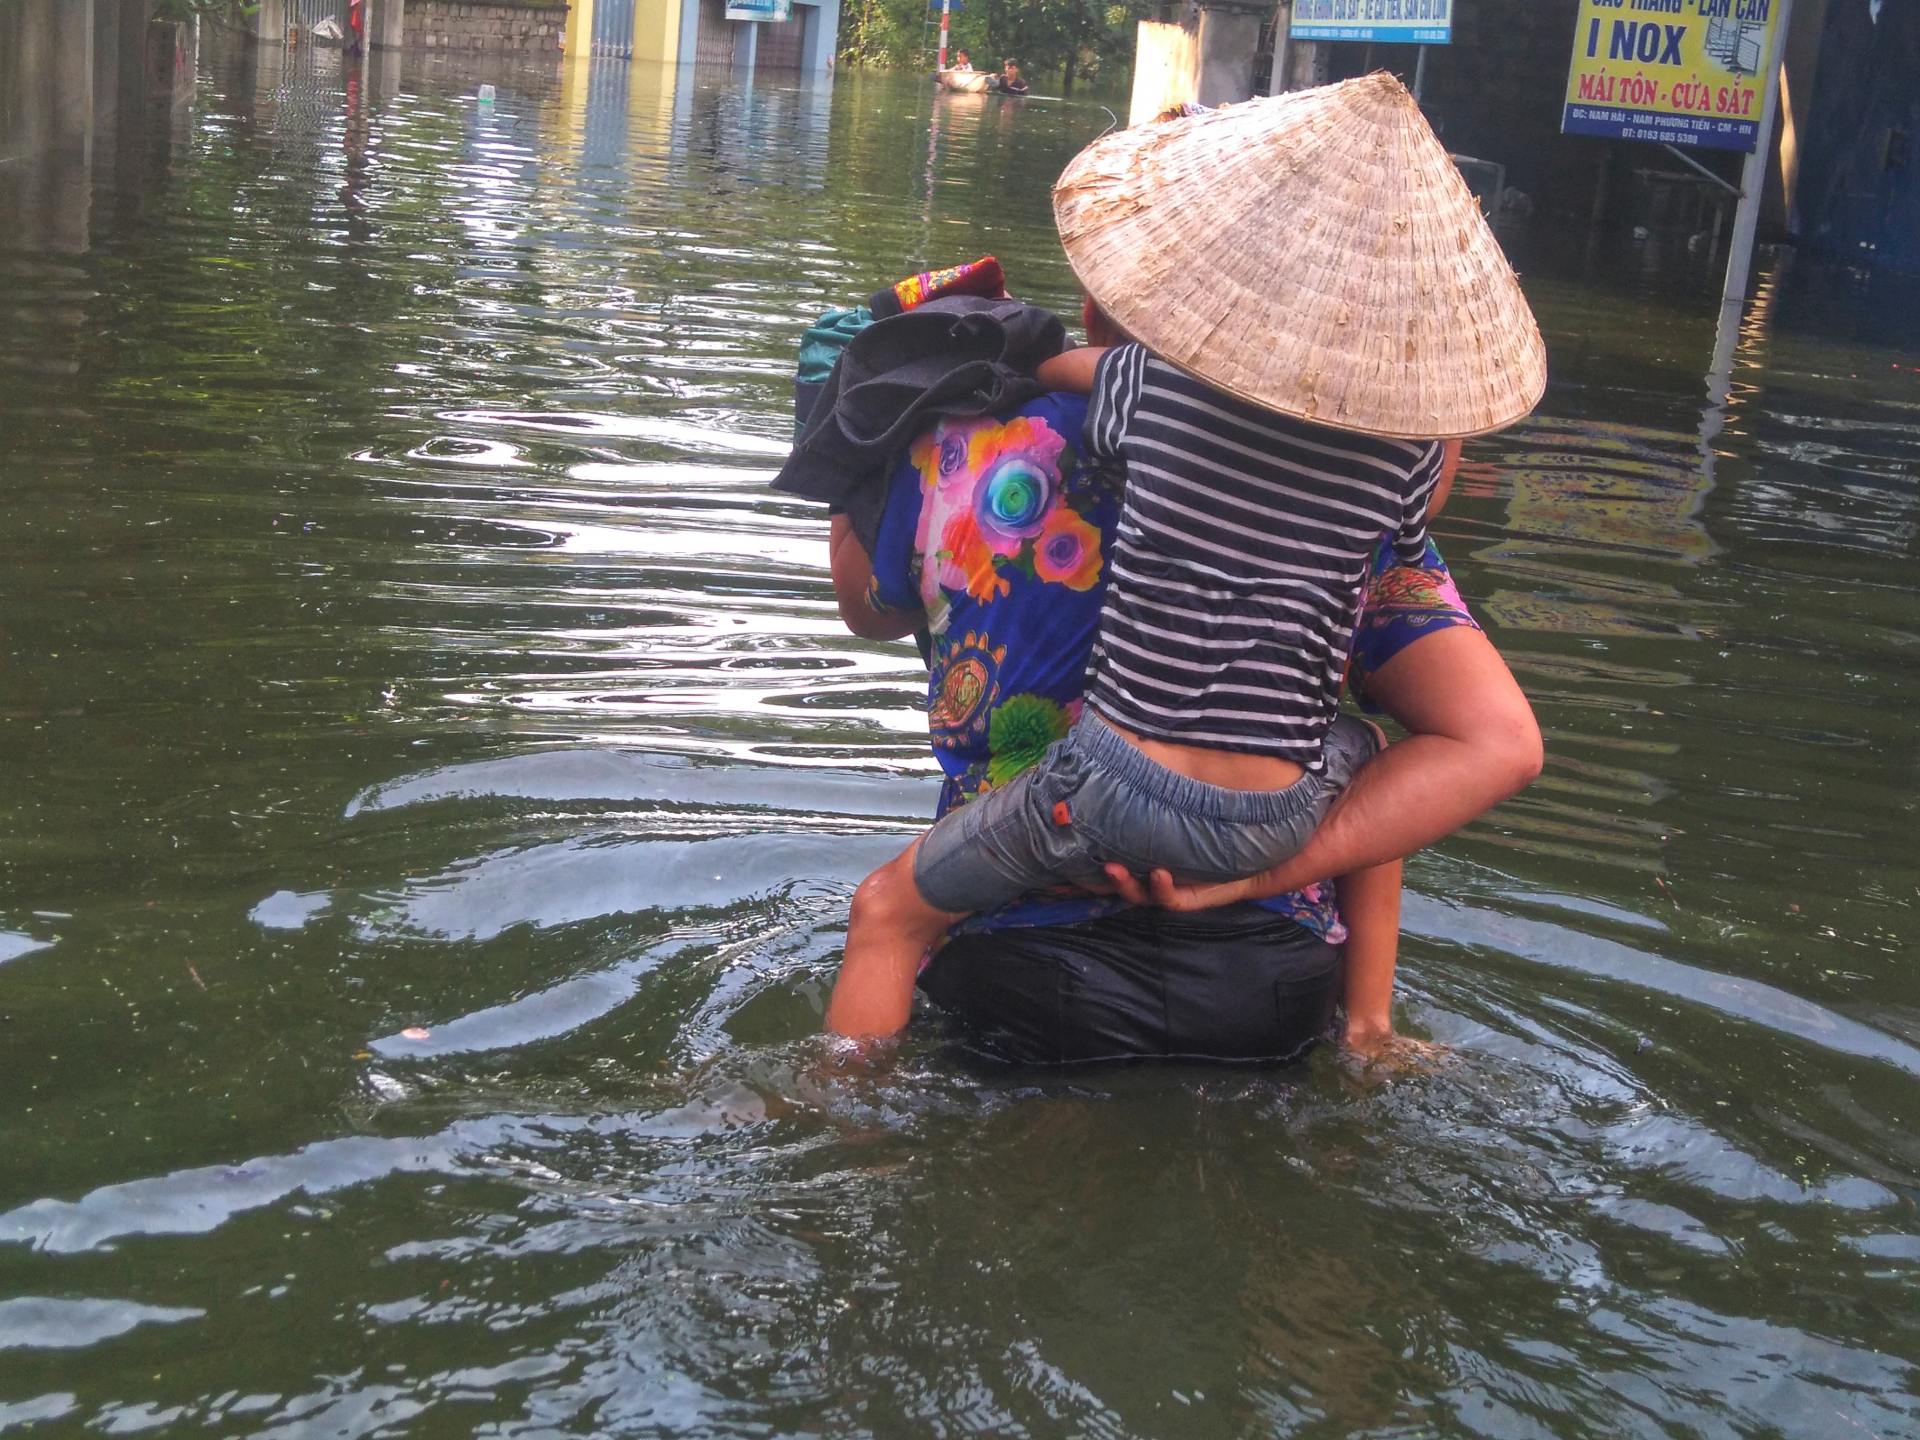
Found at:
<point>1161,890</point>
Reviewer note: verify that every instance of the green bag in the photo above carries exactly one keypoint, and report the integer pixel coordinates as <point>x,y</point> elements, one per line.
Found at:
<point>820,347</point>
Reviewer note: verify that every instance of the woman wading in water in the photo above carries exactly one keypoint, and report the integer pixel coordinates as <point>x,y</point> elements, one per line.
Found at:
<point>1090,978</point>
<point>1196,689</point>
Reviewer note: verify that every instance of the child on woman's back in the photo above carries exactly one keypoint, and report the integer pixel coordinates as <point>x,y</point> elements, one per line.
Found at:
<point>1211,744</point>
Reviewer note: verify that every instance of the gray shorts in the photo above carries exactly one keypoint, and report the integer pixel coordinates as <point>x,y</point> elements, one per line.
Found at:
<point>1094,797</point>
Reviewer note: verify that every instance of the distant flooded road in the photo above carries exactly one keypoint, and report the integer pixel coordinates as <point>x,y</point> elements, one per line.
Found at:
<point>400,636</point>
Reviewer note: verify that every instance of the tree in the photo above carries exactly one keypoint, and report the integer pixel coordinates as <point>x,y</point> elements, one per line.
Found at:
<point>232,12</point>
<point>1074,39</point>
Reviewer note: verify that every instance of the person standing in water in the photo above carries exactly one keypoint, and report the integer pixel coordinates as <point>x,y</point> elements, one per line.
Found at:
<point>1084,979</point>
<point>1286,419</point>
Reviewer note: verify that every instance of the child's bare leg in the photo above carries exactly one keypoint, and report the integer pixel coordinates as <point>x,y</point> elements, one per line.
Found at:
<point>1370,906</point>
<point>888,931</point>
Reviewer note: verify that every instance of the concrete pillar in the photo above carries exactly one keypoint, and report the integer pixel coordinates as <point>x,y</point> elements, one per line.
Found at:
<point>689,47</point>
<point>1229,38</point>
<point>119,89</point>
<point>822,40</point>
<point>106,74</point>
<point>46,122</point>
<point>269,22</point>
<point>386,24</point>
<point>72,73</point>
<point>656,29</point>
<point>1282,34</point>
<point>1309,63</point>
<point>746,43</point>
<point>579,37</point>
<point>129,83</point>
<point>382,74</point>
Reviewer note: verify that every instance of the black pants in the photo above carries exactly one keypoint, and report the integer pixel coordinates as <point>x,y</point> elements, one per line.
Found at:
<point>1233,985</point>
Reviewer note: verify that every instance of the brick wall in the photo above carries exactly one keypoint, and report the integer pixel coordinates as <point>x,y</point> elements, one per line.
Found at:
<point>479,25</point>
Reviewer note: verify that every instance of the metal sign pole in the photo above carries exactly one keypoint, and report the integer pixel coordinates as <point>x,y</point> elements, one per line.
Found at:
<point>945,6</point>
<point>1753,181</point>
<point>1419,72</point>
<point>1746,220</point>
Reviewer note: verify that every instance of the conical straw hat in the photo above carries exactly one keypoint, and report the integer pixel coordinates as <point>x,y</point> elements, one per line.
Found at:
<point>1314,253</point>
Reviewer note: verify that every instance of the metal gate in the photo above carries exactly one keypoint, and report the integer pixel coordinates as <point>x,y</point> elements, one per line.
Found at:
<point>308,13</point>
<point>613,28</point>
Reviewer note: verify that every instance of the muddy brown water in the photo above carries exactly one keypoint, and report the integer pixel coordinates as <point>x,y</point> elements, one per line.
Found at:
<point>398,632</point>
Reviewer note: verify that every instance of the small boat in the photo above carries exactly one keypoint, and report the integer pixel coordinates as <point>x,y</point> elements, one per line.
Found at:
<point>967,82</point>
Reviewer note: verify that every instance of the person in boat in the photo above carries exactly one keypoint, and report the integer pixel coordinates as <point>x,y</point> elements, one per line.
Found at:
<point>961,61</point>
<point>1010,81</point>
<point>1085,978</point>
<point>1211,745</point>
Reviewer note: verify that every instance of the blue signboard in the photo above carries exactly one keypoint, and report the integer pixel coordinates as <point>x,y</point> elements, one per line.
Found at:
<point>1393,22</point>
<point>774,11</point>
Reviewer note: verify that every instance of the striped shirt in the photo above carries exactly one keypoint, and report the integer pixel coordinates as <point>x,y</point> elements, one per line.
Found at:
<point>1242,553</point>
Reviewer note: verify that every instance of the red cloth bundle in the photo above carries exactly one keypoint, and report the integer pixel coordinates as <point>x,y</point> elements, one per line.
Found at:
<point>983,277</point>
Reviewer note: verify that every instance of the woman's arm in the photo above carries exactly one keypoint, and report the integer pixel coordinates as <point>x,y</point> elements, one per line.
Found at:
<point>852,577</point>
<point>1443,487</point>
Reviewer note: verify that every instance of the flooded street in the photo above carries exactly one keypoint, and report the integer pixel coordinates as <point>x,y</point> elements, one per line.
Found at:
<point>399,634</point>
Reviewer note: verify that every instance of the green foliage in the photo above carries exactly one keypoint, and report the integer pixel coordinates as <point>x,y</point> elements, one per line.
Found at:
<point>1076,40</point>
<point>230,11</point>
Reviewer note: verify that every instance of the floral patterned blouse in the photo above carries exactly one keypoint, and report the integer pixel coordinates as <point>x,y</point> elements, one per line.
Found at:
<point>998,530</point>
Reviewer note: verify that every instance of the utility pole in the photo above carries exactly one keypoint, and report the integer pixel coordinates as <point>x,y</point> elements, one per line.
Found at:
<point>945,8</point>
<point>1753,180</point>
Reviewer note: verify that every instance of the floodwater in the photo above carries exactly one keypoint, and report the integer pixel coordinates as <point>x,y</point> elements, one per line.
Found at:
<point>399,634</point>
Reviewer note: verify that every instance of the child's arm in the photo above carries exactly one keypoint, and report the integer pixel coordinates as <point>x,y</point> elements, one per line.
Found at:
<point>852,573</point>
<point>1443,487</point>
<point>1070,370</point>
<point>1370,906</point>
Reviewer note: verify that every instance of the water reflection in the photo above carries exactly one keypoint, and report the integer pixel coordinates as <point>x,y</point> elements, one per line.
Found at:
<point>39,1323</point>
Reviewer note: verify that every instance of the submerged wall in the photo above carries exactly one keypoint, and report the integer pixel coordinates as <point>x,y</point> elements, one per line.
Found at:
<point>485,26</point>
